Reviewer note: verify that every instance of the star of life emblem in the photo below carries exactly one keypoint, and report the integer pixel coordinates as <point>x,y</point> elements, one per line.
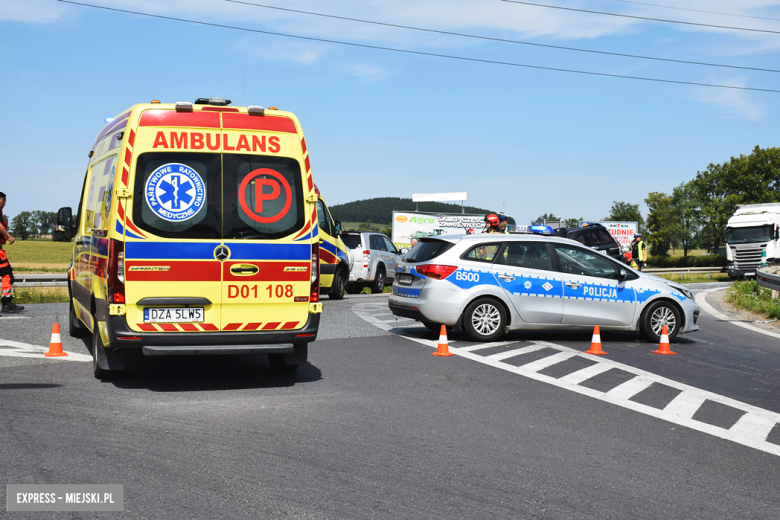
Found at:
<point>547,286</point>
<point>527,284</point>
<point>175,192</point>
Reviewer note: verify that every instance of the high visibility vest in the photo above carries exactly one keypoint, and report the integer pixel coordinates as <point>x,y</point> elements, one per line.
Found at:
<point>641,251</point>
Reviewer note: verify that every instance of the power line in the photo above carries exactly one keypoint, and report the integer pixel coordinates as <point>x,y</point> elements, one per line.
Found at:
<point>640,17</point>
<point>699,10</point>
<point>464,35</point>
<point>419,53</point>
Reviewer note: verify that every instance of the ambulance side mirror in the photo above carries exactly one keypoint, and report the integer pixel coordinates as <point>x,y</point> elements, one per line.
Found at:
<point>65,221</point>
<point>337,225</point>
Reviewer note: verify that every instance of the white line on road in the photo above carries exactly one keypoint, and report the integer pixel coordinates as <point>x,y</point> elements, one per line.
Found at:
<point>10,348</point>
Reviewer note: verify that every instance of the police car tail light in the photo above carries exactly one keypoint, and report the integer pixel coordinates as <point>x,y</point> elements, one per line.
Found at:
<point>315,273</point>
<point>116,271</point>
<point>439,272</point>
<point>183,106</point>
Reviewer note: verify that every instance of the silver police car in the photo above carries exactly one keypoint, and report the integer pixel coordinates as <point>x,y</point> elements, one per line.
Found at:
<point>488,284</point>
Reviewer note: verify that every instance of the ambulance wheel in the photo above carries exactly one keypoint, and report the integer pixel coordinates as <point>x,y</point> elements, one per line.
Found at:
<point>656,316</point>
<point>378,286</point>
<point>75,328</point>
<point>484,320</point>
<point>285,363</point>
<point>338,287</point>
<point>106,363</point>
<point>354,288</point>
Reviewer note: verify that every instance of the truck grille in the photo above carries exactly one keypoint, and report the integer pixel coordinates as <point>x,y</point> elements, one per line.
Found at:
<point>747,258</point>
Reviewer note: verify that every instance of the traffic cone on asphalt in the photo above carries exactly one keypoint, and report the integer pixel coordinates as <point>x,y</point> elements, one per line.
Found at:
<point>663,347</point>
<point>55,345</point>
<point>595,343</point>
<point>443,349</point>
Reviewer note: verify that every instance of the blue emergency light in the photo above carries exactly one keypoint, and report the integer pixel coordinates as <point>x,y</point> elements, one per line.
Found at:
<point>541,230</point>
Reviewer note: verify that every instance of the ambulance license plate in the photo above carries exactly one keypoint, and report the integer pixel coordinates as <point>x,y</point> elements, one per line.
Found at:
<point>173,315</point>
<point>405,279</point>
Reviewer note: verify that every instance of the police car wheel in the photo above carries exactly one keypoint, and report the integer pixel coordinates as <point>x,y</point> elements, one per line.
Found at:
<point>484,320</point>
<point>657,315</point>
<point>338,287</point>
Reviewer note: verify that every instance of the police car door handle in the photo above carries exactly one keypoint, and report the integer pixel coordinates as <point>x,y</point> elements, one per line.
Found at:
<point>573,285</point>
<point>506,277</point>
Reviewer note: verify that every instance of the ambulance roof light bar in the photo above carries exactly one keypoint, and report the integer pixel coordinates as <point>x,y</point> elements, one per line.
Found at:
<point>256,110</point>
<point>216,101</point>
<point>183,106</point>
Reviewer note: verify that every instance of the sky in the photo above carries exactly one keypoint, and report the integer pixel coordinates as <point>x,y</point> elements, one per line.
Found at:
<point>381,123</point>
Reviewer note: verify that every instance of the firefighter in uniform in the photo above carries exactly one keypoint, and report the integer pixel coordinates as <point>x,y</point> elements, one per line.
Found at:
<point>6,272</point>
<point>639,250</point>
<point>492,223</point>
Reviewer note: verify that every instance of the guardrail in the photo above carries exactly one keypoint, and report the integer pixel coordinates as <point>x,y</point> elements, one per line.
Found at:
<point>769,276</point>
<point>682,271</point>
<point>41,280</point>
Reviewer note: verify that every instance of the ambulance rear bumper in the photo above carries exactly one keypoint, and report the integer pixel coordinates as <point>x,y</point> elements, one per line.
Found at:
<point>233,342</point>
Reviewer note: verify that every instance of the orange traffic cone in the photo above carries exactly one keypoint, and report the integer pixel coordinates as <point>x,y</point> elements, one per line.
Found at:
<point>595,343</point>
<point>55,346</point>
<point>663,347</point>
<point>443,349</point>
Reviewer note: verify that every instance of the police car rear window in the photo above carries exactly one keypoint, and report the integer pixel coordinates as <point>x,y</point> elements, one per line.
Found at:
<point>426,250</point>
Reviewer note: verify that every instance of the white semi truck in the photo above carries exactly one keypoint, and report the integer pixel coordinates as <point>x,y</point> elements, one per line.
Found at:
<point>752,230</point>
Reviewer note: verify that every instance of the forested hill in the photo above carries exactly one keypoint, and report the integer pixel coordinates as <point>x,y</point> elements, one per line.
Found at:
<point>380,210</point>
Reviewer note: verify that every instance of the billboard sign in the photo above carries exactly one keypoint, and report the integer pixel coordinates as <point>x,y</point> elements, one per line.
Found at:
<point>622,231</point>
<point>410,224</point>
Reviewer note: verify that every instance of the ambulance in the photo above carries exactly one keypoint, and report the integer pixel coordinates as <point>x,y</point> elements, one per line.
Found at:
<point>335,260</point>
<point>196,233</point>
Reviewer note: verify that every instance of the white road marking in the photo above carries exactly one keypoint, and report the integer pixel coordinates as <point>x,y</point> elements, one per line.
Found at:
<point>750,430</point>
<point>480,346</point>
<point>34,351</point>
<point>701,300</point>
<point>13,317</point>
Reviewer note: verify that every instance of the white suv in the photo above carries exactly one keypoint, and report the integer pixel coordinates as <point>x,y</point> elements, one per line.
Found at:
<point>374,260</point>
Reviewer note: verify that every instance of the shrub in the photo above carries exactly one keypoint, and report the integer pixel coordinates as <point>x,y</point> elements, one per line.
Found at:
<point>686,261</point>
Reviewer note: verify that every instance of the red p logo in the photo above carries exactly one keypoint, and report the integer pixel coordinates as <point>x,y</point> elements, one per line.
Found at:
<point>260,196</point>
<point>261,180</point>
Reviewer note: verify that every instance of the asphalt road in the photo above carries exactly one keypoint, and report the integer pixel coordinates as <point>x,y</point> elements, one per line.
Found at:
<point>375,427</point>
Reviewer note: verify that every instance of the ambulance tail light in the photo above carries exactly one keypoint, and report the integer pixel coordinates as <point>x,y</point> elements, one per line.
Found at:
<point>315,273</point>
<point>116,271</point>
<point>183,106</point>
<point>438,272</point>
<point>256,110</point>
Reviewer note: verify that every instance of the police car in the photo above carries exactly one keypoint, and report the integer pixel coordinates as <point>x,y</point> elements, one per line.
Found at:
<point>488,284</point>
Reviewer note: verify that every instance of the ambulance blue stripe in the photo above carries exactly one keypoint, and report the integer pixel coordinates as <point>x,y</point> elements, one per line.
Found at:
<point>171,250</point>
<point>306,237</point>
<point>327,246</point>
<point>248,251</point>
<point>121,230</point>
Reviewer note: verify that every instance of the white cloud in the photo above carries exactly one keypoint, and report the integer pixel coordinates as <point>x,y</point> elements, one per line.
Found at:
<point>32,11</point>
<point>298,52</point>
<point>370,73</point>
<point>738,103</point>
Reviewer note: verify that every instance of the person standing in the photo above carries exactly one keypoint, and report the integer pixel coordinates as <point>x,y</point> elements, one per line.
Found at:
<point>639,251</point>
<point>6,272</point>
<point>492,223</point>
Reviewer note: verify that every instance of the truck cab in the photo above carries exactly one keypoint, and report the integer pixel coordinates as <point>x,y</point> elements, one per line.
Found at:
<point>752,237</point>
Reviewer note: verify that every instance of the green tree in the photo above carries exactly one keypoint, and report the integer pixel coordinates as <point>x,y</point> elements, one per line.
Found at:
<point>43,222</point>
<point>626,212</point>
<point>23,225</point>
<point>658,225</point>
<point>684,213</point>
<point>572,222</point>
<point>542,218</point>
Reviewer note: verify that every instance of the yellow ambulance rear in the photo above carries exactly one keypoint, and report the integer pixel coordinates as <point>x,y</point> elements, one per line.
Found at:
<point>196,233</point>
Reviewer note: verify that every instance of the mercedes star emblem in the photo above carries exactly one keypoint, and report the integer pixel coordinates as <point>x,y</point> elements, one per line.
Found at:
<point>221,253</point>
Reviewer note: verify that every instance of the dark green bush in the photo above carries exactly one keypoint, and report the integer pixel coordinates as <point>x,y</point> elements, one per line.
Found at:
<point>686,261</point>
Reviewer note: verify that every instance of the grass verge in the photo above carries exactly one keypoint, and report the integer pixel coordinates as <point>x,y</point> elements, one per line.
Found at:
<point>39,252</point>
<point>24,295</point>
<point>750,296</point>
<point>695,277</point>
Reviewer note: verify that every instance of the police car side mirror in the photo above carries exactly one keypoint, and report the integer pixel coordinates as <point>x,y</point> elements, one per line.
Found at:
<point>65,220</point>
<point>404,250</point>
<point>623,275</point>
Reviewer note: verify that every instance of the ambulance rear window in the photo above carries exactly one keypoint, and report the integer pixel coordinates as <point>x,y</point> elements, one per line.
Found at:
<point>263,196</point>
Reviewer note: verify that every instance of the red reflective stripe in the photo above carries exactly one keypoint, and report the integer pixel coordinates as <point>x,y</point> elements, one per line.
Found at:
<point>168,327</point>
<point>290,325</point>
<point>208,326</point>
<point>272,325</point>
<point>328,257</point>
<point>232,326</point>
<point>267,123</point>
<point>303,145</point>
<point>172,118</point>
<point>131,138</point>
<point>304,230</point>
<point>308,164</point>
<point>120,208</point>
<point>128,156</point>
<point>178,271</point>
<point>311,183</point>
<point>4,264</point>
<point>252,326</point>
<point>147,327</point>
<point>189,327</point>
<point>135,229</point>
<point>125,175</point>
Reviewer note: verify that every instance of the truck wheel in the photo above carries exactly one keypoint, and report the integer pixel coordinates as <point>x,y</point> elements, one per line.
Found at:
<point>338,287</point>
<point>484,320</point>
<point>656,316</point>
<point>378,285</point>
<point>106,363</point>
<point>285,363</point>
<point>75,328</point>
